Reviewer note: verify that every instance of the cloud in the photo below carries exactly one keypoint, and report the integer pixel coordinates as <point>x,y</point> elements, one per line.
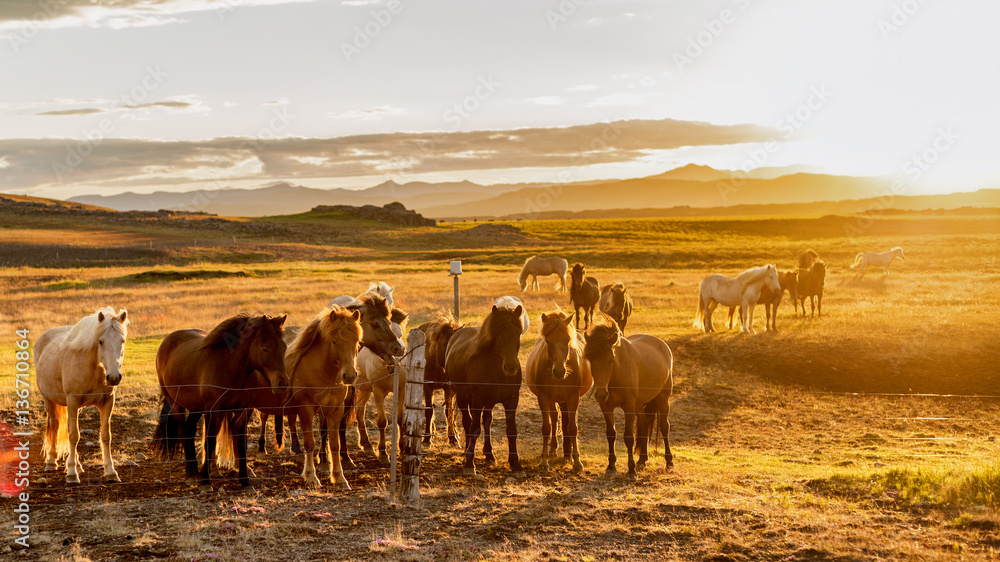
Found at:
<point>78,111</point>
<point>582,88</point>
<point>369,114</point>
<point>117,162</point>
<point>168,104</point>
<point>620,100</point>
<point>189,104</point>
<point>546,100</point>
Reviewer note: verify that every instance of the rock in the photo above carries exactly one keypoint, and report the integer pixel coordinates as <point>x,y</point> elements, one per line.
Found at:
<point>43,481</point>
<point>157,481</point>
<point>88,444</point>
<point>140,457</point>
<point>5,496</point>
<point>88,432</point>
<point>394,213</point>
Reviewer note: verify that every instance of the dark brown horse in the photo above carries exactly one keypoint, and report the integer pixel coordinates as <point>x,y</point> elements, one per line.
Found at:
<point>557,374</point>
<point>807,259</point>
<point>811,283</point>
<point>789,281</point>
<point>222,375</point>
<point>616,303</point>
<point>584,292</point>
<point>437,334</point>
<point>634,374</point>
<point>482,363</point>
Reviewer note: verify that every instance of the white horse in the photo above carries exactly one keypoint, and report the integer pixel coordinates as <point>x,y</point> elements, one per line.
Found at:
<point>535,266</point>
<point>75,367</point>
<point>383,289</point>
<point>864,259</point>
<point>743,290</point>
<point>512,303</point>
<point>375,379</point>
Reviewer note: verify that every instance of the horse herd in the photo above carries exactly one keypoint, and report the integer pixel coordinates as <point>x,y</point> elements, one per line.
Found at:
<point>346,353</point>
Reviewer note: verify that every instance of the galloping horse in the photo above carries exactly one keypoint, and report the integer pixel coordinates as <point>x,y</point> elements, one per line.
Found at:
<point>75,367</point>
<point>482,363</point>
<point>789,281</point>
<point>616,303</point>
<point>811,283</point>
<point>634,374</point>
<point>584,292</point>
<point>742,290</point>
<point>222,375</point>
<point>557,373</point>
<point>437,334</point>
<point>864,259</point>
<point>535,266</point>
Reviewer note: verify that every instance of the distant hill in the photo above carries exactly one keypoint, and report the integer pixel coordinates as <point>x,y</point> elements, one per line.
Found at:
<point>41,201</point>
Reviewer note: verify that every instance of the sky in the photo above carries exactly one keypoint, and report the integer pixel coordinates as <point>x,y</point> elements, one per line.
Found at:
<point>142,95</point>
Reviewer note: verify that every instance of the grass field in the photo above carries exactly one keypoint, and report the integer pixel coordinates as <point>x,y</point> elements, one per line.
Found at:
<point>867,433</point>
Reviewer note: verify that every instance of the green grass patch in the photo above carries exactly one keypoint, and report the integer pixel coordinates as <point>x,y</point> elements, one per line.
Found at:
<point>977,486</point>
<point>169,275</point>
<point>64,285</point>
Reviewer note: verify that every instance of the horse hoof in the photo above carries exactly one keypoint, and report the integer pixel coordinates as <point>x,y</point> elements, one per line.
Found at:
<point>313,483</point>
<point>610,471</point>
<point>72,478</point>
<point>52,466</point>
<point>426,442</point>
<point>632,477</point>
<point>348,465</point>
<point>640,466</point>
<point>578,468</point>
<point>205,489</point>
<point>113,477</point>
<point>191,481</point>
<point>519,474</point>
<point>468,471</point>
<point>248,485</point>
<point>383,459</point>
<point>369,450</point>
<point>543,468</point>
<point>342,485</point>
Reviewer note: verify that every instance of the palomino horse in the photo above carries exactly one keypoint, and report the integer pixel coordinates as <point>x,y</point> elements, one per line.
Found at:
<point>634,374</point>
<point>512,303</point>
<point>437,334</point>
<point>375,378</point>
<point>616,303</point>
<point>584,292</point>
<point>482,363</point>
<point>557,373</point>
<point>789,281</point>
<point>75,367</point>
<point>742,290</point>
<point>535,266</point>
<point>811,283</point>
<point>864,259</point>
<point>222,375</point>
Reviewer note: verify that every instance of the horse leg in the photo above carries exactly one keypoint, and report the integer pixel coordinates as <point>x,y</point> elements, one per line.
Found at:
<point>510,417</point>
<point>106,407</point>
<point>642,435</point>
<point>292,419</point>
<point>732,312</point>
<point>567,445</point>
<point>382,422</point>
<point>753,307</point>
<point>663,412</point>
<point>345,455</point>
<point>241,420</point>
<point>819,304</point>
<point>609,426</point>
<point>334,415</point>
<point>488,436</point>
<point>188,426</point>
<point>812,306</point>
<point>572,430</point>
<point>305,416</point>
<point>428,414</point>
<point>449,414</point>
<point>544,405</point>
<point>709,310</point>
<point>73,465</point>
<point>362,405</point>
<point>279,433</point>
<point>213,421</point>
<point>630,416</point>
<point>261,441</point>
<point>472,430</point>
<point>52,414</point>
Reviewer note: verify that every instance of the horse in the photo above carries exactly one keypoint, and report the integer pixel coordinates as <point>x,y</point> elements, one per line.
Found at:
<point>584,292</point>
<point>864,259</point>
<point>634,374</point>
<point>742,290</point>
<point>789,281</point>
<point>437,334</point>
<point>482,363</point>
<point>535,266</point>
<point>807,259</point>
<point>375,377</point>
<point>512,303</point>
<point>557,373</point>
<point>616,303</point>
<point>811,283</point>
<point>223,375</point>
<point>382,289</point>
<point>75,367</point>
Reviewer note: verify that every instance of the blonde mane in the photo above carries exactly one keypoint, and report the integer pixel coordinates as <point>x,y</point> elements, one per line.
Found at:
<point>329,324</point>
<point>85,333</point>
<point>751,275</point>
<point>553,322</point>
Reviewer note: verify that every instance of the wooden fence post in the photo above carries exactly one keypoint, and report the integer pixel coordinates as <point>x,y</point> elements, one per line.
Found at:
<point>413,418</point>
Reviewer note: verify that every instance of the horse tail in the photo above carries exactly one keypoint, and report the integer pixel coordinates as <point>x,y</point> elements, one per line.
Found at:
<point>166,437</point>
<point>699,316</point>
<point>857,260</point>
<point>224,454</point>
<point>57,440</point>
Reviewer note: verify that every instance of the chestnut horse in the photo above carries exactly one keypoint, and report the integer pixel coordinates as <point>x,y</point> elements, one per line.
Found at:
<point>222,375</point>
<point>482,363</point>
<point>634,374</point>
<point>584,292</point>
<point>811,283</point>
<point>616,303</point>
<point>557,374</point>
<point>437,334</point>
<point>789,281</point>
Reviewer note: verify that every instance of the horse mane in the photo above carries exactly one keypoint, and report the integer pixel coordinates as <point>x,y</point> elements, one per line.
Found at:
<point>232,329</point>
<point>399,316</point>
<point>751,275</point>
<point>489,329</point>
<point>375,303</point>
<point>599,339</point>
<point>331,323</point>
<point>899,248</point>
<point>807,259</point>
<point>84,334</point>
<point>448,319</point>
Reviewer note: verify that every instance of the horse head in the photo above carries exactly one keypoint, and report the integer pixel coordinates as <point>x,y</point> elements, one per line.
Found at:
<point>558,334</point>
<point>267,349</point>
<point>111,344</point>
<point>771,279</point>
<point>601,344</point>
<point>899,252</point>
<point>504,327</point>
<point>376,325</point>
<point>345,342</point>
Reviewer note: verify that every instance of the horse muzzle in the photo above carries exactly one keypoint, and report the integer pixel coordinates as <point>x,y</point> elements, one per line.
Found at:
<point>601,395</point>
<point>510,370</point>
<point>559,373</point>
<point>113,379</point>
<point>349,377</point>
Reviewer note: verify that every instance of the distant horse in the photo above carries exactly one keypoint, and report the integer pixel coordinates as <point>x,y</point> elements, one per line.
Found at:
<point>864,259</point>
<point>557,373</point>
<point>75,367</point>
<point>616,303</point>
<point>807,259</point>
<point>382,289</point>
<point>634,374</point>
<point>811,283</point>
<point>584,292</point>
<point>375,377</point>
<point>535,266</point>
<point>743,291</point>
<point>512,303</point>
<point>222,375</point>
<point>437,334</point>
<point>482,363</point>
<point>789,281</point>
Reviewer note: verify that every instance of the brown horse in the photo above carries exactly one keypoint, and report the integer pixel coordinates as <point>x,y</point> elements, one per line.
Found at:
<point>636,375</point>
<point>437,334</point>
<point>584,292</point>
<point>222,375</point>
<point>811,283</point>
<point>557,373</point>
<point>616,303</point>
<point>807,259</point>
<point>789,281</point>
<point>482,363</point>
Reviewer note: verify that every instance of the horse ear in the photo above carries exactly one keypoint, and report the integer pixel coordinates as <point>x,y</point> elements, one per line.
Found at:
<point>494,309</point>
<point>280,321</point>
<point>123,316</point>
<point>544,317</point>
<point>100,317</point>
<point>569,319</point>
<point>518,310</point>
<point>356,314</point>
